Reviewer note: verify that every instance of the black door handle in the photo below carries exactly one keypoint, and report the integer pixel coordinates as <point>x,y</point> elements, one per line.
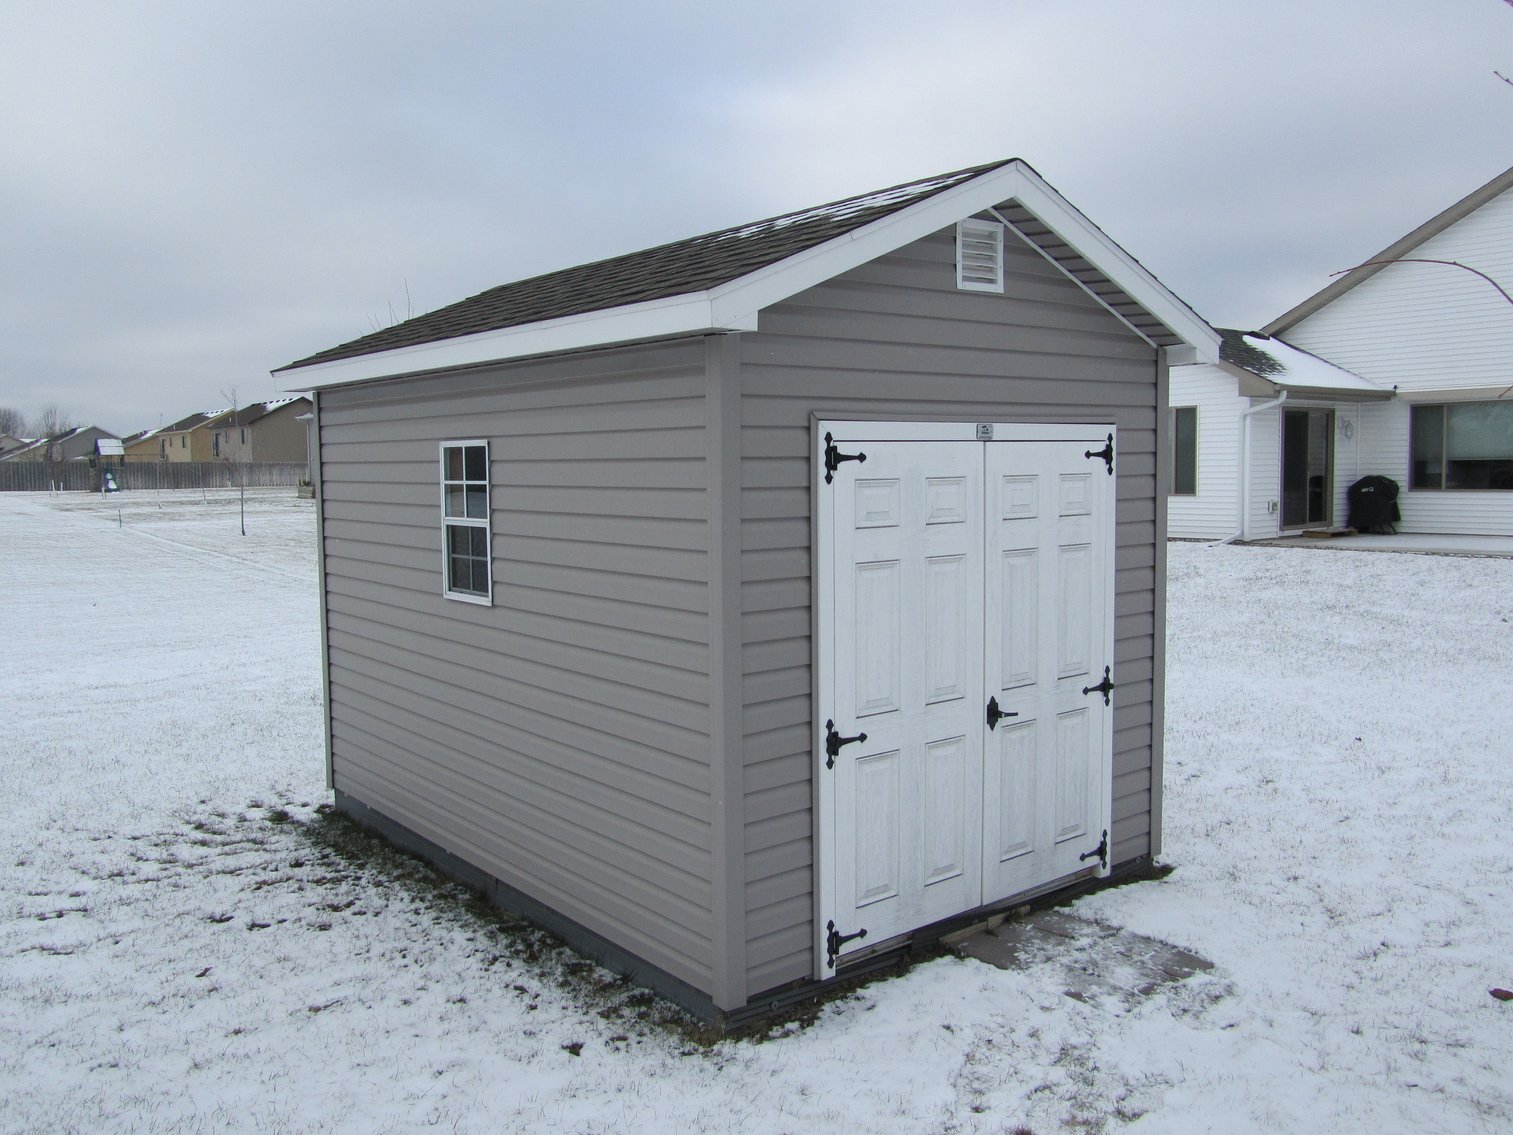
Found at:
<point>995,715</point>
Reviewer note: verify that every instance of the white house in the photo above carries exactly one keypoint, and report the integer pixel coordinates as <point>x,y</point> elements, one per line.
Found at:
<point>1402,367</point>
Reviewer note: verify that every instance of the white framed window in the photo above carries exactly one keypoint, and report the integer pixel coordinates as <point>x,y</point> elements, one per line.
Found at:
<point>466,554</point>
<point>979,256</point>
<point>1182,450</point>
<point>1462,445</point>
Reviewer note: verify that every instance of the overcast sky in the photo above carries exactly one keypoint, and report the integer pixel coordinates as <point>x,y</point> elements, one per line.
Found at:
<point>194,193</point>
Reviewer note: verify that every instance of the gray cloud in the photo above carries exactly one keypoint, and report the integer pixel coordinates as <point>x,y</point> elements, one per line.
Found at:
<point>194,194</point>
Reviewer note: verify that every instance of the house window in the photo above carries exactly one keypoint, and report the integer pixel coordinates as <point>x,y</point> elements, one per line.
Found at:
<point>1182,450</point>
<point>465,520</point>
<point>215,444</point>
<point>1463,445</point>
<point>979,256</point>
<point>244,437</point>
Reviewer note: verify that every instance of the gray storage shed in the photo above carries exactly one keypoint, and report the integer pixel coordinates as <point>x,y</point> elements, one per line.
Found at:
<point>744,608</point>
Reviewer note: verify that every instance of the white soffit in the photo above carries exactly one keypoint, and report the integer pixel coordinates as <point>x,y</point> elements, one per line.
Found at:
<point>734,306</point>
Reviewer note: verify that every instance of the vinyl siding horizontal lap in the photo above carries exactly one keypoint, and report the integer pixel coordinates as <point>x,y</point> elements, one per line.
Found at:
<point>556,613</point>
<point>602,898</point>
<point>558,737</point>
<point>613,531</point>
<point>634,714</point>
<point>552,779</point>
<point>549,662</point>
<point>896,340</point>
<point>607,500</point>
<point>643,591</point>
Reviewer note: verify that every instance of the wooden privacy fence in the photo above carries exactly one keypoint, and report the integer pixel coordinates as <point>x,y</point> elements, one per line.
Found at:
<point>78,476</point>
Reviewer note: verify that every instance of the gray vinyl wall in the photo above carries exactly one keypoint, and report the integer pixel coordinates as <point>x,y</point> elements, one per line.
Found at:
<point>652,587</point>
<point>559,739</point>
<point>896,339</point>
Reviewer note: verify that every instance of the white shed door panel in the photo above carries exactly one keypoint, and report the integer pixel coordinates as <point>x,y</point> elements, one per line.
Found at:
<point>908,648</point>
<point>952,571</point>
<point>1048,606</point>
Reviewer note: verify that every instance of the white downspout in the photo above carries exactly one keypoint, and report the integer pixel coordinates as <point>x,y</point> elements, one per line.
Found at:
<point>1244,516</point>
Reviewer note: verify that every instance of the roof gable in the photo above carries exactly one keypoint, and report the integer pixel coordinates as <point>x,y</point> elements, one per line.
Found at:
<point>720,281</point>
<point>1395,251</point>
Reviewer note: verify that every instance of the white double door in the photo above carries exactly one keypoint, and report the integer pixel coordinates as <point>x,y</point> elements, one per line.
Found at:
<point>958,577</point>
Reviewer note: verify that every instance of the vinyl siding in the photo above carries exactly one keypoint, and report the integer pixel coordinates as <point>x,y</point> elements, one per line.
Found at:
<point>1427,326</point>
<point>896,339</point>
<point>558,739</point>
<point>1213,512</point>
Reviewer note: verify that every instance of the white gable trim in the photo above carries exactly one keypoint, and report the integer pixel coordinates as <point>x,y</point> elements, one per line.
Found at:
<point>734,306</point>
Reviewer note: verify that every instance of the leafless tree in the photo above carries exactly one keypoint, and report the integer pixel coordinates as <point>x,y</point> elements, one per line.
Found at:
<point>239,474</point>
<point>51,421</point>
<point>12,421</point>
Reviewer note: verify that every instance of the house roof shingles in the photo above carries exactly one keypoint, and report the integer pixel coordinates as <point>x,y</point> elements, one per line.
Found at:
<point>693,265</point>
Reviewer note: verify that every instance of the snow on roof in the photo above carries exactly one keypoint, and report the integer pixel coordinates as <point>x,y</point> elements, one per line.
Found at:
<point>1287,366</point>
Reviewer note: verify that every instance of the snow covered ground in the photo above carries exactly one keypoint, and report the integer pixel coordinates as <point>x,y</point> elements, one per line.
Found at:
<point>188,944</point>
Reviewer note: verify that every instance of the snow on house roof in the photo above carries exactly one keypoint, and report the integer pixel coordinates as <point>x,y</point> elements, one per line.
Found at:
<point>1288,368</point>
<point>720,281</point>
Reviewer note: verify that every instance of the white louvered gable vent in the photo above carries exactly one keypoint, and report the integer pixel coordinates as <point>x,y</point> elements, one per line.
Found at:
<point>979,256</point>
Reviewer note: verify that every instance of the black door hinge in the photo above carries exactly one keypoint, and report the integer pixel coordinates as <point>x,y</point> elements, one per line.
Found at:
<point>995,715</point>
<point>1103,687</point>
<point>835,940</point>
<point>1107,453</point>
<point>1101,852</point>
<point>834,457</point>
<point>834,741</point>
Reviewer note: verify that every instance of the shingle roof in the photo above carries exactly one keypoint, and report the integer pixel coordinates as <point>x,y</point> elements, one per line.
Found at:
<point>685,266</point>
<point>1288,368</point>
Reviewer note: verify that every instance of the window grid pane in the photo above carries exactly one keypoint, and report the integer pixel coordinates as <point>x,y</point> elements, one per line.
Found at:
<point>465,512</point>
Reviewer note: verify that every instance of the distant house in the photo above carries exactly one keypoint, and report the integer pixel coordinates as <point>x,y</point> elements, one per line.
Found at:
<point>1402,367</point>
<point>1267,424</point>
<point>9,443</point>
<point>147,445</point>
<point>263,431</point>
<point>191,438</point>
<point>71,445</point>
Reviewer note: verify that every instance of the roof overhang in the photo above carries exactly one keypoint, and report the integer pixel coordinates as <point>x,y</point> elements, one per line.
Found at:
<point>1081,250</point>
<point>1251,385</point>
<point>1459,394</point>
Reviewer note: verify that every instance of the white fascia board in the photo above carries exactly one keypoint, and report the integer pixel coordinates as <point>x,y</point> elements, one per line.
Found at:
<point>1013,182</point>
<point>1457,394</point>
<point>1248,383</point>
<point>654,319</point>
<point>1093,245</point>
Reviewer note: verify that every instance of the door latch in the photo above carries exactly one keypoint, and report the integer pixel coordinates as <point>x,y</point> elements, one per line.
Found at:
<point>995,715</point>
<point>834,741</point>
